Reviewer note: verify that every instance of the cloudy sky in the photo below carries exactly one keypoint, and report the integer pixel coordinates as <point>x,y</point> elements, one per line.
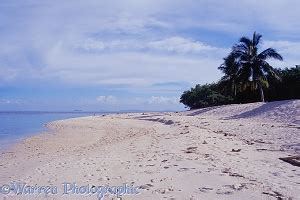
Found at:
<point>128,54</point>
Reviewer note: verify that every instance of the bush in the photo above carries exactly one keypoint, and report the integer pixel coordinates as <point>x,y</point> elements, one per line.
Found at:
<point>287,88</point>
<point>204,96</point>
<point>221,93</point>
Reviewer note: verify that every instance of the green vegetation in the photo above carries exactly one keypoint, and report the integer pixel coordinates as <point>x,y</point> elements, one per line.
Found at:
<point>248,77</point>
<point>204,96</point>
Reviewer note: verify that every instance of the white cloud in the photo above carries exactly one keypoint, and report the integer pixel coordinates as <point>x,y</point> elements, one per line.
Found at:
<point>284,47</point>
<point>153,100</point>
<point>180,45</point>
<point>163,100</point>
<point>288,50</point>
<point>5,101</point>
<point>7,73</point>
<point>128,23</point>
<point>239,17</point>
<point>10,101</point>
<point>120,102</point>
<point>137,69</point>
<point>174,44</point>
<point>107,100</point>
<point>133,43</point>
<point>90,44</point>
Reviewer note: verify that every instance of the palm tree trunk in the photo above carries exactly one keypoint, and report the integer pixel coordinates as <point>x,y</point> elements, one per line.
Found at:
<point>234,90</point>
<point>233,87</point>
<point>262,96</point>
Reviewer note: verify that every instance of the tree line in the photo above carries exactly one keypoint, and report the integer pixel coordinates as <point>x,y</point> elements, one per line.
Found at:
<point>248,77</point>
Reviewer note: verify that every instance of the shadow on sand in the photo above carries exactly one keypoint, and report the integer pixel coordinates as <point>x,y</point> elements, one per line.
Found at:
<point>203,110</point>
<point>259,110</point>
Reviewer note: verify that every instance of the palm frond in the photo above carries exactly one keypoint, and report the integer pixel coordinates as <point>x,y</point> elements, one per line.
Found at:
<point>222,67</point>
<point>256,39</point>
<point>269,53</point>
<point>264,82</point>
<point>246,41</point>
<point>244,73</point>
<point>270,70</point>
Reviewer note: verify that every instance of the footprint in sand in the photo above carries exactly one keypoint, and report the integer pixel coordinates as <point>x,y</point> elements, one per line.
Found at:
<point>205,189</point>
<point>184,169</point>
<point>190,150</point>
<point>165,190</point>
<point>146,186</point>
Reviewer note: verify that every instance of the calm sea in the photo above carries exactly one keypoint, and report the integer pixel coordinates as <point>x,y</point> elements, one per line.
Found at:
<point>15,126</point>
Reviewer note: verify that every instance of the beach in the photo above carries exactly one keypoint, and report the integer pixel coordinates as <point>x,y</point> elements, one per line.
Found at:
<point>223,152</point>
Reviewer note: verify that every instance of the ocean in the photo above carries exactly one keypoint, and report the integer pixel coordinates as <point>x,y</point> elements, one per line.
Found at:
<point>15,126</point>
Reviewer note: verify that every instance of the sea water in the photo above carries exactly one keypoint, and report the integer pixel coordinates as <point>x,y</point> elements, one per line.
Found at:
<point>15,126</point>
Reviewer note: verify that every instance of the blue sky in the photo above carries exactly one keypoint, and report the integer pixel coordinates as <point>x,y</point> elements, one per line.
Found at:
<point>128,54</point>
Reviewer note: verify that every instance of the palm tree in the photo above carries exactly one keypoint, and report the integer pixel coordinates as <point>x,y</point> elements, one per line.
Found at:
<point>253,65</point>
<point>230,68</point>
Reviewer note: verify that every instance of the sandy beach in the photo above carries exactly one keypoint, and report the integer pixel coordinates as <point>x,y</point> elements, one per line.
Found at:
<point>225,152</point>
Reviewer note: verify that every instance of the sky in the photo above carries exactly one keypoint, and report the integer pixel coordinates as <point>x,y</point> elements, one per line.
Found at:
<point>120,55</point>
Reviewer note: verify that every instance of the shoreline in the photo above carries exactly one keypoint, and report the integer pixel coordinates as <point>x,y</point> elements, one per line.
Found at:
<point>194,154</point>
<point>37,121</point>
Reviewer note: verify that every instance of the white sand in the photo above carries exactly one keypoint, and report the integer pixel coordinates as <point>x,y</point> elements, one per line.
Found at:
<point>227,152</point>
